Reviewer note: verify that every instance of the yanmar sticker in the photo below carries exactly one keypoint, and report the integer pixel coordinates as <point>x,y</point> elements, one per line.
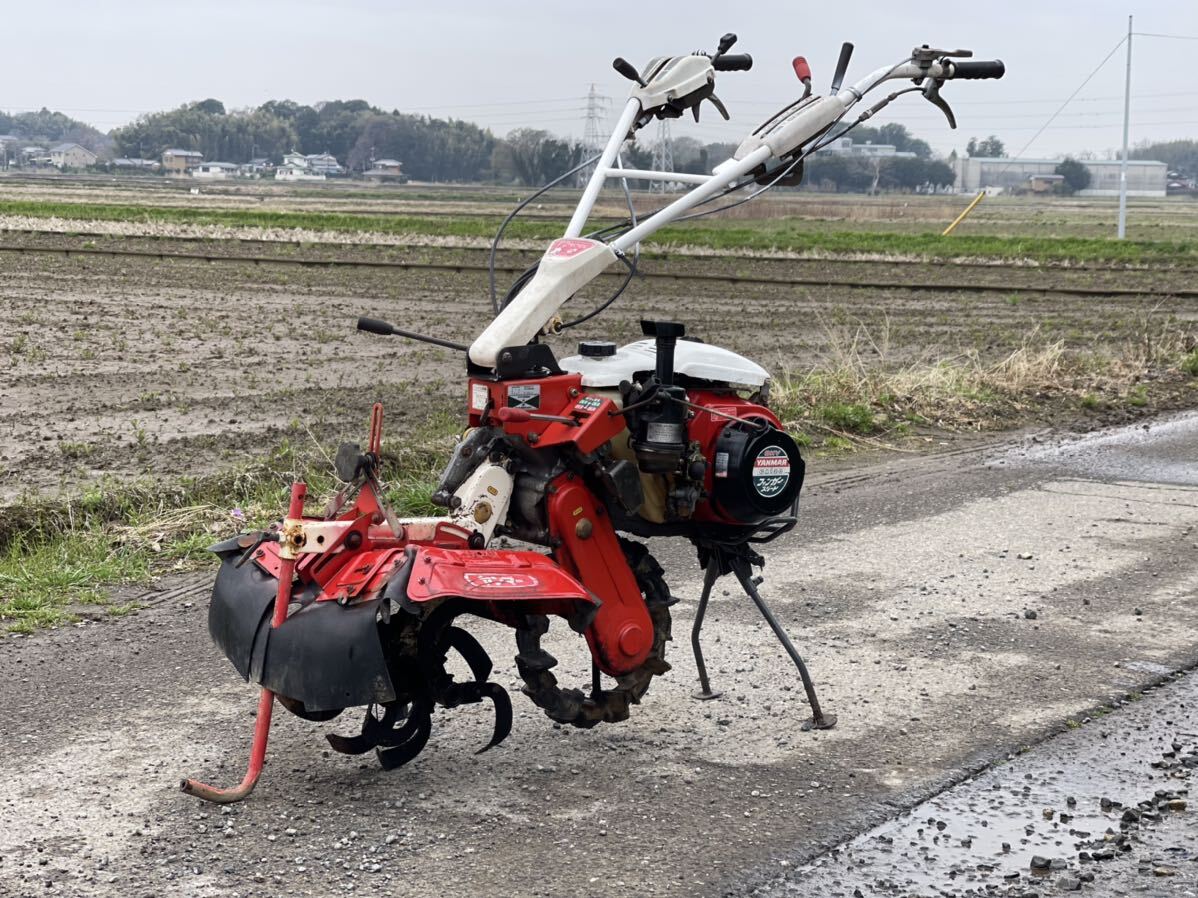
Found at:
<point>568,247</point>
<point>501,581</point>
<point>771,471</point>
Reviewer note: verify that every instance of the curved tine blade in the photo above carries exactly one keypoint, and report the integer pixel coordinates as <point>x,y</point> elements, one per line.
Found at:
<point>472,652</point>
<point>503,714</point>
<point>398,736</point>
<point>391,758</point>
<point>368,738</point>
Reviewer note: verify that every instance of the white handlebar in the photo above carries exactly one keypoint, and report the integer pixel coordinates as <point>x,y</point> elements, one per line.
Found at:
<point>570,264</point>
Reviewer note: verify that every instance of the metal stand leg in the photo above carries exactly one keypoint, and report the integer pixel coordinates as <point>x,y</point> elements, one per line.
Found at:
<point>709,577</point>
<point>819,721</point>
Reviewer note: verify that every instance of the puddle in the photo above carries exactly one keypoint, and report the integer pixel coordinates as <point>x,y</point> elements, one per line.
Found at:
<point>1071,801</point>
<point>1161,451</point>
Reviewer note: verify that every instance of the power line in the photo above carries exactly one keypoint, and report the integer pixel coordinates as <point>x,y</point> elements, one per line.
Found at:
<point>1173,37</point>
<point>1061,108</point>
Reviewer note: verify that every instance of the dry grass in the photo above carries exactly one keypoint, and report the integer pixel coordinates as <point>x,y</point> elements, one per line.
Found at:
<point>856,394</point>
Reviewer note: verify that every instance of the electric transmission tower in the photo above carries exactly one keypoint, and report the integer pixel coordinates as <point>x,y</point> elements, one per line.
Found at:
<point>593,137</point>
<point>663,156</point>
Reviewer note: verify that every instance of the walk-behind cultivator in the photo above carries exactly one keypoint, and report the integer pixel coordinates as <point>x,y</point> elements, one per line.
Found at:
<point>573,459</point>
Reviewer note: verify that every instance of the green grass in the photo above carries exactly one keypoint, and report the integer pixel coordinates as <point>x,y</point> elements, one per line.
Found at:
<point>855,417</point>
<point>1189,364</point>
<point>54,556</point>
<point>783,233</point>
<point>39,578</point>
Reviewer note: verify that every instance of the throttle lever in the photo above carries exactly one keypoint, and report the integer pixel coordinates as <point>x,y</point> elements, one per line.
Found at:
<point>924,56</point>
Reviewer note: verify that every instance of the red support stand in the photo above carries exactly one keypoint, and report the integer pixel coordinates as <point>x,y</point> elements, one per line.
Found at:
<point>266,700</point>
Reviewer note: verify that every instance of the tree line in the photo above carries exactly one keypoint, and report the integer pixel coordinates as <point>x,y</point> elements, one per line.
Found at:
<point>1179,155</point>
<point>49,127</point>
<point>435,149</point>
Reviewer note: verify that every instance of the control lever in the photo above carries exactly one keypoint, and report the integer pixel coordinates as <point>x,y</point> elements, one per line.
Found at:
<point>725,44</point>
<point>931,92</point>
<point>628,70</point>
<point>842,66</point>
<point>803,73</point>
<point>924,56</point>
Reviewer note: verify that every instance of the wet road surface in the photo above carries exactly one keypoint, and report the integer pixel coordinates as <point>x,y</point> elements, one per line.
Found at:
<point>952,608</point>
<point>1104,809</point>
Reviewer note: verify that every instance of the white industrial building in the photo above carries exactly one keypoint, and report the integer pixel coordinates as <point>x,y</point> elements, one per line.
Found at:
<point>845,146</point>
<point>976,173</point>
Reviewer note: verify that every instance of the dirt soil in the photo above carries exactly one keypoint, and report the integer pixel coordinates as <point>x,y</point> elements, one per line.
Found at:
<point>953,609</point>
<point>125,367</point>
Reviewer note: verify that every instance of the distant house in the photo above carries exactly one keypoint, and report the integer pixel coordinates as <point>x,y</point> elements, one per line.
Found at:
<point>291,172</point>
<point>1045,183</point>
<point>133,165</point>
<point>214,170</point>
<point>315,163</point>
<point>178,162</point>
<point>257,166</point>
<point>71,155</point>
<point>386,170</point>
<point>324,164</point>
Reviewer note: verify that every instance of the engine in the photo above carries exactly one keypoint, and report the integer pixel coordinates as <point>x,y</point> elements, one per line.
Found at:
<point>706,454</point>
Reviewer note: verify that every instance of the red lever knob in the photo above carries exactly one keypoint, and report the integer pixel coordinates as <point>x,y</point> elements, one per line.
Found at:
<point>513,415</point>
<point>802,70</point>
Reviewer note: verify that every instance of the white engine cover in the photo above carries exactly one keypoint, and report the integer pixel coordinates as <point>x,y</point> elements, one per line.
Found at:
<point>700,361</point>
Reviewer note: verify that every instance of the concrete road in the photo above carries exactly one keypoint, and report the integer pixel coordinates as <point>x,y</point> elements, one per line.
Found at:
<point>953,609</point>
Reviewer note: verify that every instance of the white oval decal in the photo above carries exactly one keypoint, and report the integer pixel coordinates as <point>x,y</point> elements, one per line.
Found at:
<point>501,581</point>
<point>771,471</point>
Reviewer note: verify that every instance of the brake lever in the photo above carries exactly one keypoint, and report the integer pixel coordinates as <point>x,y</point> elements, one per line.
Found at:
<point>931,93</point>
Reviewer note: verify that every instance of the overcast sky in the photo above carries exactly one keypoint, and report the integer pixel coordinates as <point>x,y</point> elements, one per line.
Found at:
<point>511,64</point>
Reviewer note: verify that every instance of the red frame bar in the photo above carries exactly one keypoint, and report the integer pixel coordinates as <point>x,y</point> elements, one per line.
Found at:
<point>266,699</point>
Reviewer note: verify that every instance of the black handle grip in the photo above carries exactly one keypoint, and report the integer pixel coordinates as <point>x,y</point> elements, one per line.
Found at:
<point>842,65</point>
<point>732,62</point>
<point>981,68</point>
<point>374,326</point>
<point>627,69</point>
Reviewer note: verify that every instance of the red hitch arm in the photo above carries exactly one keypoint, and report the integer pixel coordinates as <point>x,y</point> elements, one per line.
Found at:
<point>266,700</point>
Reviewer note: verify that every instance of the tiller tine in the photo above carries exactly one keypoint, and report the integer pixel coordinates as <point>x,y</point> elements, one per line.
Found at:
<point>480,665</point>
<point>503,713</point>
<point>391,758</point>
<point>266,699</point>
<point>397,745</point>
<point>374,732</point>
<point>472,652</point>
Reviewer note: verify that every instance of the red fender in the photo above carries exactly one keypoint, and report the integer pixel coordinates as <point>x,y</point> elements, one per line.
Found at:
<point>621,633</point>
<point>491,575</point>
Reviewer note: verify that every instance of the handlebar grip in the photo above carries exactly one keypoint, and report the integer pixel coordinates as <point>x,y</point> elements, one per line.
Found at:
<point>374,326</point>
<point>981,68</point>
<point>732,62</point>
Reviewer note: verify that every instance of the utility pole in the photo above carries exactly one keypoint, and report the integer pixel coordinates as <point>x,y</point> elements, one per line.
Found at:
<point>1126,127</point>
<point>593,138</point>
<point>663,156</point>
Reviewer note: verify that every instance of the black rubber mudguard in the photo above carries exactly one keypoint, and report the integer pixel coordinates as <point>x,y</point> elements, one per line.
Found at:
<point>324,655</point>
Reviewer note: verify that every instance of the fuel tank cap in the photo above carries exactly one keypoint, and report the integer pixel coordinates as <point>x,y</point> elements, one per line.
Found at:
<point>596,349</point>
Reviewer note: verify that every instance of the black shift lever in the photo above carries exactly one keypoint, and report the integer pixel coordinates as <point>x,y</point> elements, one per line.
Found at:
<point>627,69</point>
